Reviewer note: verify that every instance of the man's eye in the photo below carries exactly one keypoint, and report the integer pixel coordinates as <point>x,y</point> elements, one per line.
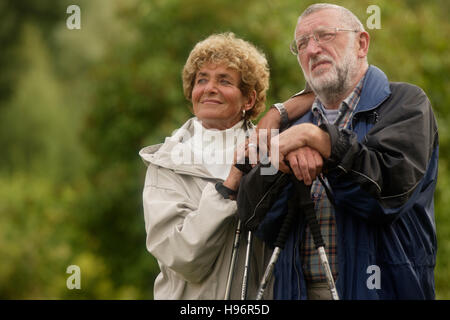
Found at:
<point>302,43</point>
<point>325,36</point>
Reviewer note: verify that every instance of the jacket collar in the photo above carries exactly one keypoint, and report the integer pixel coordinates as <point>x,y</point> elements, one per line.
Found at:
<point>161,154</point>
<point>375,89</point>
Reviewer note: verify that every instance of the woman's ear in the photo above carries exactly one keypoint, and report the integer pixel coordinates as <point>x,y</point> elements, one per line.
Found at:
<point>251,100</point>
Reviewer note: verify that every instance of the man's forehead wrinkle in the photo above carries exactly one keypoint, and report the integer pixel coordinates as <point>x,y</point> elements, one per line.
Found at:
<point>320,18</point>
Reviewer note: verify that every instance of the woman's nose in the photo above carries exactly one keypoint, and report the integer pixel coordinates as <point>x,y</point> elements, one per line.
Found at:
<point>211,86</point>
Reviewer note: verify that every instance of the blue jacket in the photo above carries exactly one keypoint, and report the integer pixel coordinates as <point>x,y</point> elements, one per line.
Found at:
<point>382,175</point>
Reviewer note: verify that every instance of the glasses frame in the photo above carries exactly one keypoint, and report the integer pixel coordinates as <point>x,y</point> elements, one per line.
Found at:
<point>294,48</point>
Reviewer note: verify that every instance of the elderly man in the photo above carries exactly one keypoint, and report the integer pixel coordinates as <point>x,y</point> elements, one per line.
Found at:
<point>374,201</point>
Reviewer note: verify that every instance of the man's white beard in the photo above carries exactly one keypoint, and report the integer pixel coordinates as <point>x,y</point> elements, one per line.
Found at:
<point>333,83</point>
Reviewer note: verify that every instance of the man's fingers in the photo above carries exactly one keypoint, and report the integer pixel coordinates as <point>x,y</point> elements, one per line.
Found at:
<point>305,163</point>
<point>311,164</point>
<point>319,162</point>
<point>293,163</point>
<point>315,162</point>
<point>282,165</point>
<point>304,168</point>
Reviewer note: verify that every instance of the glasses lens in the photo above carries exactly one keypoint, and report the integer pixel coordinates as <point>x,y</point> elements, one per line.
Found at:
<point>320,35</point>
<point>325,35</point>
<point>293,47</point>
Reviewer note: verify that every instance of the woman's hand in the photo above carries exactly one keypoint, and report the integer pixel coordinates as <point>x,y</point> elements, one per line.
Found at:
<point>240,154</point>
<point>234,178</point>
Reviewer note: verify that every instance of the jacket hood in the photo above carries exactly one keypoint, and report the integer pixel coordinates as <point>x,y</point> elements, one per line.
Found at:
<point>167,154</point>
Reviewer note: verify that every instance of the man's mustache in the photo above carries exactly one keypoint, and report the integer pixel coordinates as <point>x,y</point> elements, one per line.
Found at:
<point>319,59</point>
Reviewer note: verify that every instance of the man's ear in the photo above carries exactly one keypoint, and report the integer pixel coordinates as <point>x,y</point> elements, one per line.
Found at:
<point>363,42</point>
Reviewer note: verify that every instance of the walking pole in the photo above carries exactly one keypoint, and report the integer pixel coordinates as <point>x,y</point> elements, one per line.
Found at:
<point>307,204</point>
<point>279,245</point>
<point>247,266</point>
<point>233,260</point>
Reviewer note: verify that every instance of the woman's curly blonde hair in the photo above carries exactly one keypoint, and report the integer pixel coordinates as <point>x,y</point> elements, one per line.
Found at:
<point>236,54</point>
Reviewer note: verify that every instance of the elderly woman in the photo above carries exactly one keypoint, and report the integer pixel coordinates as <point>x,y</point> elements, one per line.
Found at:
<point>190,220</point>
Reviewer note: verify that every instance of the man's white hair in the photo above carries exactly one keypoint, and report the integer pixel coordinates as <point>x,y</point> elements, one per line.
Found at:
<point>347,16</point>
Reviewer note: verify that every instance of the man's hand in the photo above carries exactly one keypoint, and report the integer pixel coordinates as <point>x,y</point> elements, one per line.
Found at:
<point>301,135</point>
<point>306,164</point>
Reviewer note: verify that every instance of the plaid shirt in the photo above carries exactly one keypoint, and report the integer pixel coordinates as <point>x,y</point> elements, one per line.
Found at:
<point>312,268</point>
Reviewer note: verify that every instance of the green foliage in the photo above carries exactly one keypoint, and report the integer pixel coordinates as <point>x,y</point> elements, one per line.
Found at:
<point>13,16</point>
<point>36,128</point>
<point>77,105</point>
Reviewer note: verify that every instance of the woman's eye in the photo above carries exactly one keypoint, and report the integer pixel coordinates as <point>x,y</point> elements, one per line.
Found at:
<point>201,80</point>
<point>226,82</point>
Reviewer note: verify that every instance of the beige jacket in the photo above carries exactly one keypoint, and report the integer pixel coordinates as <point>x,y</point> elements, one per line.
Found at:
<point>190,230</point>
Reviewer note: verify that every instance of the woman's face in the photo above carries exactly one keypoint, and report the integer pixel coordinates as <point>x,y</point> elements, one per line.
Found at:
<point>216,98</point>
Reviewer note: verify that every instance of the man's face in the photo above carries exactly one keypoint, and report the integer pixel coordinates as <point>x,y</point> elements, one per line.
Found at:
<point>328,67</point>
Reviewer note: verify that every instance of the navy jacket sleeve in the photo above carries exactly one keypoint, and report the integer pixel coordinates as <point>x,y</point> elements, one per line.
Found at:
<point>389,162</point>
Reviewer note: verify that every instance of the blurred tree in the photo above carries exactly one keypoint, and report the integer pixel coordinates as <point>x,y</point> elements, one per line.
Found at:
<point>36,130</point>
<point>13,16</point>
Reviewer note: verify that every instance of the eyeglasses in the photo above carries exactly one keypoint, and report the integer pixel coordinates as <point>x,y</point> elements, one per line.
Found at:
<point>320,35</point>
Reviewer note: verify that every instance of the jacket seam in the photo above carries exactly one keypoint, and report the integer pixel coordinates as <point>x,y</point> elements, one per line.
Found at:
<point>161,188</point>
<point>402,194</point>
<point>342,168</point>
<point>368,178</point>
